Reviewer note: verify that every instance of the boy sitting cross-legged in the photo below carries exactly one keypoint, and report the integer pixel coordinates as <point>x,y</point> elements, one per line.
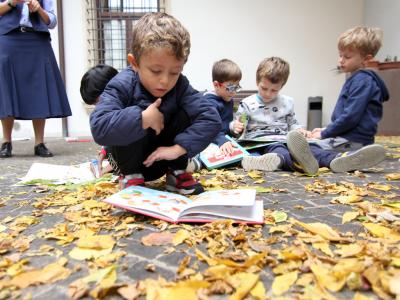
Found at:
<point>270,113</point>
<point>150,115</point>
<point>360,105</point>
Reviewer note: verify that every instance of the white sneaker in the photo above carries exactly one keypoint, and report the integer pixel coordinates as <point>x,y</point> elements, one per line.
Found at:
<point>268,162</point>
<point>194,165</point>
<point>301,152</point>
<point>363,158</point>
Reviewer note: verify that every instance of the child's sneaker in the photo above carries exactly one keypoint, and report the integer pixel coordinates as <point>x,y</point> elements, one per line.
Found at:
<point>126,181</point>
<point>183,183</point>
<point>194,165</point>
<point>301,152</point>
<point>268,162</point>
<point>363,158</point>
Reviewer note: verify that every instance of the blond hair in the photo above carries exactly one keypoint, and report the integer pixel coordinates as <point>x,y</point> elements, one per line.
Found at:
<point>275,69</point>
<point>365,40</point>
<point>160,30</point>
<point>226,70</point>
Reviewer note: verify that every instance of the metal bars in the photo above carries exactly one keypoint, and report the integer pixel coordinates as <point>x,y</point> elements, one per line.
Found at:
<point>109,27</point>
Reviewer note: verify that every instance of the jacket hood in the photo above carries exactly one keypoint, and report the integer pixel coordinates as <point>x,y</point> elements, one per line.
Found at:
<point>381,84</point>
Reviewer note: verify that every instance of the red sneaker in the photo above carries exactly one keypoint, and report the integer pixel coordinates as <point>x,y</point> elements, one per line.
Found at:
<point>183,183</point>
<point>126,181</point>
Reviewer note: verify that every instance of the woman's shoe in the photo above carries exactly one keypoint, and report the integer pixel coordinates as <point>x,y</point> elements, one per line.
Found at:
<point>42,151</point>
<point>5,150</point>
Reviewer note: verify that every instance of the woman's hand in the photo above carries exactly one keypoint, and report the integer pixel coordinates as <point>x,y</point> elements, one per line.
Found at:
<point>33,5</point>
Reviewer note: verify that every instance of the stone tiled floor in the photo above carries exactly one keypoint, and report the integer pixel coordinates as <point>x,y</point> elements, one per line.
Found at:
<point>299,204</point>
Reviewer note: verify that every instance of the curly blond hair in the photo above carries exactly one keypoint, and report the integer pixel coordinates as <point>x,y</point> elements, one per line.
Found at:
<point>160,30</point>
<point>275,69</point>
<point>365,40</point>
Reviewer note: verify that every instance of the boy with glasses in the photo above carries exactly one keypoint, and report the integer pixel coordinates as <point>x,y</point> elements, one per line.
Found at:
<point>226,76</point>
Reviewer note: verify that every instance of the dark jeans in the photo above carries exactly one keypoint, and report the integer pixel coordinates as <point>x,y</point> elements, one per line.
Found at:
<point>324,157</point>
<point>130,158</point>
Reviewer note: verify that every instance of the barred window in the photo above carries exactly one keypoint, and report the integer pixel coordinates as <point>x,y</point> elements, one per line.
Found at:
<point>109,28</point>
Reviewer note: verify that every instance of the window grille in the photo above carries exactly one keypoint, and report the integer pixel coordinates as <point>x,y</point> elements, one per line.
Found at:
<point>109,25</point>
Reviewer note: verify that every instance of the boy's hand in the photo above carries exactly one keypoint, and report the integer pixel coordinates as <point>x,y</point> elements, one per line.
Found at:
<point>316,133</point>
<point>307,134</point>
<point>152,117</point>
<point>227,148</point>
<point>164,153</point>
<point>237,127</point>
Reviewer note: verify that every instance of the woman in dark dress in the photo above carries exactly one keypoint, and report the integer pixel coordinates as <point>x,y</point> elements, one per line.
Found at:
<point>31,87</point>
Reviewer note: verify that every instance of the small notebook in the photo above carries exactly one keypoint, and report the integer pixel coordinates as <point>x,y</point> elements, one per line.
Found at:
<point>240,205</point>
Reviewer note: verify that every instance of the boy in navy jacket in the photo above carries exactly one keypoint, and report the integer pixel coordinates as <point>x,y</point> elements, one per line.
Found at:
<point>226,76</point>
<point>150,115</point>
<point>360,104</point>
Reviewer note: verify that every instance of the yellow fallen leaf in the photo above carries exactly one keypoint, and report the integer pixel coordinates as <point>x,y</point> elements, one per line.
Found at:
<point>393,176</point>
<point>87,254</point>
<point>97,242</point>
<point>49,274</point>
<point>347,199</point>
<point>395,261</point>
<point>282,283</point>
<point>184,290</point>
<point>359,296</point>
<point>380,187</point>
<point>180,237</point>
<point>349,216</point>
<point>254,174</point>
<point>324,247</point>
<point>322,230</point>
<point>349,250</point>
<point>258,292</point>
<point>382,231</point>
<point>325,278</point>
<point>243,284</point>
<point>394,285</point>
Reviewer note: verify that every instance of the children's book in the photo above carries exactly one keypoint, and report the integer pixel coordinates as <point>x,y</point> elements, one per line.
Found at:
<point>239,205</point>
<point>57,174</point>
<point>212,157</point>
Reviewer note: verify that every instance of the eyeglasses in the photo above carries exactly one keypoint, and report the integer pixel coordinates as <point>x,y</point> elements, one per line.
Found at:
<point>231,88</point>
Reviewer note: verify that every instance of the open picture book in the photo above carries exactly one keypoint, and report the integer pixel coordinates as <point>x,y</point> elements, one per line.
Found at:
<point>212,157</point>
<point>239,205</point>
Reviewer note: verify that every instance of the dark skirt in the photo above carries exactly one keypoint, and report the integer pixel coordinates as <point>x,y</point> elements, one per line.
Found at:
<point>30,82</point>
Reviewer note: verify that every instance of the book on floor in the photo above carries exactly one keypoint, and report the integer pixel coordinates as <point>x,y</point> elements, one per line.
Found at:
<point>212,157</point>
<point>240,205</point>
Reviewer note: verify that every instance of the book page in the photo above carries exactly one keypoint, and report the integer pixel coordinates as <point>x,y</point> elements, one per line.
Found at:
<point>253,213</point>
<point>210,200</point>
<point>58,174</point>
<point>150,202</point>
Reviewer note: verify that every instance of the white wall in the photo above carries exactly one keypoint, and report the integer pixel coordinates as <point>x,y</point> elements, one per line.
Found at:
<point>385,14</point>
<point>75,64</point>
<point>302,32</point>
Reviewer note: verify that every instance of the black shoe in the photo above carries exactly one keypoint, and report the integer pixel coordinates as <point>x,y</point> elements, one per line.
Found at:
<point>5,150</point>
<point>41,150</point>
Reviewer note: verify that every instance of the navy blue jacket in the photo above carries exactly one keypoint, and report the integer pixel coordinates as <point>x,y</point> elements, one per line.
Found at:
<point>117,119</point>
<point>359,108</point>
<point>225,110</point>
<point>11,19</point>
